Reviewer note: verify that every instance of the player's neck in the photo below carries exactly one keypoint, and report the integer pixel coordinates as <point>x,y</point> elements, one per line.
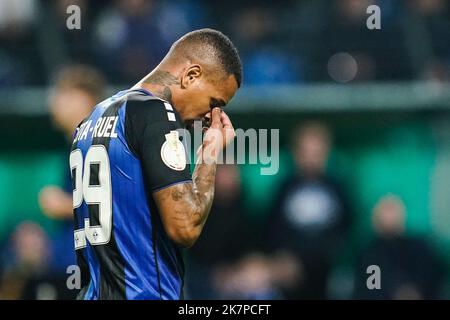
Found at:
<point>160,84</point>
<point>155,90</point>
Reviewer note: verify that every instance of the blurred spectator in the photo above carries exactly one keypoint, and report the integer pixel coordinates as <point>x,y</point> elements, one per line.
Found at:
<point>226,238</point>
<point>28,274</point>
<point>17,42</point>
<point>251,277</point>
<point>311,215</point>
<point>345,30</point>
<point>437,70</point>
<point>188,14</point>
<point>270,66</point>
<point>15,17</point>
<point>409,266</point>
<point>436,24</point>
<point>75,44</point>
<point>76,91</point>
<point>128,30</point>
<point>280,42</point>
<point>426,23</point>
<point>264,61</point>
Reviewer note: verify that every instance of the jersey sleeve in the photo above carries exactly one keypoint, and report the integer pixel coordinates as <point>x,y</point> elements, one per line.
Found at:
<point>151,130</point>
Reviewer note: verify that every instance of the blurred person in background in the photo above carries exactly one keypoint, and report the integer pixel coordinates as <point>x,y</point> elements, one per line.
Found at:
<point>17,41</point>
<point>129,29</point>
<point>27,271</point>
<point>227,237</point>
<point>76,91</point>
<point>409,267</point>
<point>74,45</point>
<point>311,216</point>
<point>426,24</point>
<point>266,61</point>
<point>345,30</point>
<point>250,278</point>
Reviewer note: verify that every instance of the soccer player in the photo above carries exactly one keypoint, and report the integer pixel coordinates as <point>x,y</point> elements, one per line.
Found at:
<point>135,202</point>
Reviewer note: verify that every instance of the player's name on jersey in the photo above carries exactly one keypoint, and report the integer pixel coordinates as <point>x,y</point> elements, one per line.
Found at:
<point>105,127</point>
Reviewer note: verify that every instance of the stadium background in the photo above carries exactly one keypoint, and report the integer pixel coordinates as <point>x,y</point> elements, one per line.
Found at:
<point>390,124</point>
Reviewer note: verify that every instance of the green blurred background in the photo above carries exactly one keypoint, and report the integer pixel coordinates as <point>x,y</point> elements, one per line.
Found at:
<point>374,153</point>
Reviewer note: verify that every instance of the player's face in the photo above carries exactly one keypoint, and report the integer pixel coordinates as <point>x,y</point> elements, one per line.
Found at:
<point>201,94</point>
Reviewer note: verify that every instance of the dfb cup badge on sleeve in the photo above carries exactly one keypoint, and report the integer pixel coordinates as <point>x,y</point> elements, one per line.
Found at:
<point>173,153</point>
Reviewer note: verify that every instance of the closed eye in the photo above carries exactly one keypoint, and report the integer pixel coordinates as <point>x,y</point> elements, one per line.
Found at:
<point>217,103</point>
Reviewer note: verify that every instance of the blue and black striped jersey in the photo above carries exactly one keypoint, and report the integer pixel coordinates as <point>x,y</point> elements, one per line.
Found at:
<point>124,151</point>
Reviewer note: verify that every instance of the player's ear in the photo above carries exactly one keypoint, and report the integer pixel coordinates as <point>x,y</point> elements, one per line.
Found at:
<point>191,75</point>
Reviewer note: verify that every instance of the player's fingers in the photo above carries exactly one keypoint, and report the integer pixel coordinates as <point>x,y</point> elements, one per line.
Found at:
<point>227,126</point>
<point>206,122</point>
<point>226,122</point>
<point>228,129</point>
<point>215,118</point>
<point>199,150</point>
<point>207,119</point>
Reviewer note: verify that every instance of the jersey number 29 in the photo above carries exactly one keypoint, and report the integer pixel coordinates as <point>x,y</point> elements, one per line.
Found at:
<point>93,193</point>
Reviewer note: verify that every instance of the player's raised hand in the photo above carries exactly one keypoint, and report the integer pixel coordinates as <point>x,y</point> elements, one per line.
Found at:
<point>216,122</point>
<point>227,128</point>
<point>222,122</point>
<point>219,134</point>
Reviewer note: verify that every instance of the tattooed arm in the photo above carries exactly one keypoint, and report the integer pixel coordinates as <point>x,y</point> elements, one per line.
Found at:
<point>184,207</point>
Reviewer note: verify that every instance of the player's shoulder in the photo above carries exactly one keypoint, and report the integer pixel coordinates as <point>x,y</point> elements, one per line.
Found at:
<point>143,107</point>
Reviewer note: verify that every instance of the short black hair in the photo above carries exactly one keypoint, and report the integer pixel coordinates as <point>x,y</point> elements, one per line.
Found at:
<point>222,47</point>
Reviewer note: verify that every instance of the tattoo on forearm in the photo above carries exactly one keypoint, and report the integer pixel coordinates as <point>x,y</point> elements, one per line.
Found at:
<point>204,177</point>
<point>202,191</point>
<point>178,193</point>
